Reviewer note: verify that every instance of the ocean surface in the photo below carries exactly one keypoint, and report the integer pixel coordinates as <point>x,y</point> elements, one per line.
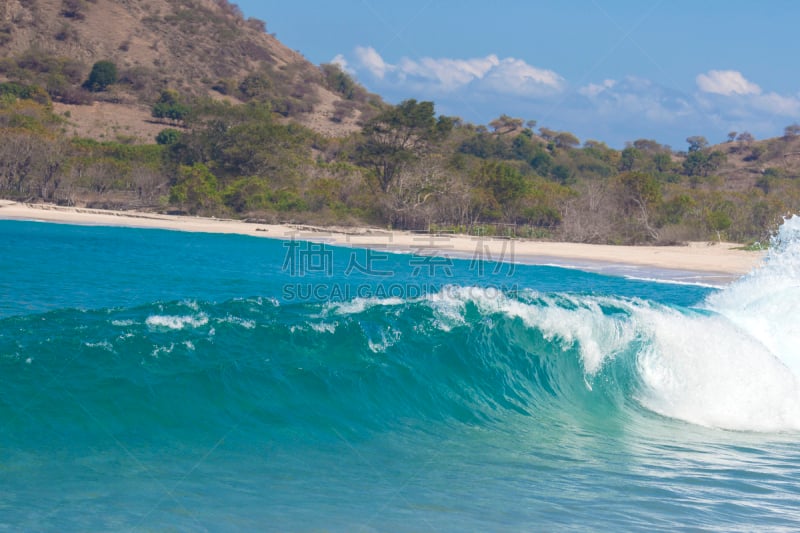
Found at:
<point>165,381</point>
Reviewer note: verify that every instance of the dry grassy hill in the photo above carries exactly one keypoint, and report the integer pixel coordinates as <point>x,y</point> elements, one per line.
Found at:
<point>748,162</point>
<point>197,47</point>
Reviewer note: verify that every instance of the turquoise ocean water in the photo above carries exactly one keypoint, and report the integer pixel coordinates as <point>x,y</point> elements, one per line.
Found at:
<point>155,380</point>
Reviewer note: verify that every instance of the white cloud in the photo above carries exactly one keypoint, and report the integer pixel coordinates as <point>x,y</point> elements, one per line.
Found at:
<point>371,60</point>
<point>726,83</point>
<point>636,97</point>
<point>777,105</point>
<point>728,94</point>
<point>447,74</point>
<point>515,76</point>
<point>594,89</point>
<point>491,73</point>
<point>622,108</point>
<point>340,60</point>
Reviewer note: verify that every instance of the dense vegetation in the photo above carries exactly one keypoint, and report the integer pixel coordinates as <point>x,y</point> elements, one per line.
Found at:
<point>244,154</point>
<point>407,168</point>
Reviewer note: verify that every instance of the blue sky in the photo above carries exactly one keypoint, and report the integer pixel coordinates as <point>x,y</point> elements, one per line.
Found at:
<point>613,71</point>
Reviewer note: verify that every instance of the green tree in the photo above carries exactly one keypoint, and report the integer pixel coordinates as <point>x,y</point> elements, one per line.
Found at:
<point>487,145</point>
<point>398,136</point>
<point>541,162</point>
<point>703,163</point>
<point>505,124</point>
<point>639,197</point>
<point>673,210</point>
<point>662,161</point>
<point>547,134</point>
<point>697,143</point>
<point>628,158</point>
<point>169,106</point>
<point>792,130</point>
<point>562,174</point>
<point>649,146</point>
<point>565,139</point>
<point>168,136</point>
<point>258,86</point>
<point>196,189</point>
<point>339,81</point>
<point>103,74</point>
<point>505,182</point>
<point>522,147</point>
<point>718,221</point>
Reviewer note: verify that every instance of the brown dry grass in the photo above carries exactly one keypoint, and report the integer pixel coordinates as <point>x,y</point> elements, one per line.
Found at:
<point>110,122</point>
<point>320,120</point>
<point>188,45</point>
<point>741,171</point>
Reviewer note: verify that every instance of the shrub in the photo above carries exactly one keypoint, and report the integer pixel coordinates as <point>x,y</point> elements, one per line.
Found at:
<point>25,92</point>
<point>5,33</point>
<point>256,24</point>
<point>168,136</point>
<point>169,107</point>
<point>72,69</point>
<point>342,109</point>
<point>66,33</point>
<point>104,73</point>
<point>225,86</point>
<point>73,9</point>
<point>143,80</point>
<point>75,96</point>
<point>755,153</point>
<point>256,86</point>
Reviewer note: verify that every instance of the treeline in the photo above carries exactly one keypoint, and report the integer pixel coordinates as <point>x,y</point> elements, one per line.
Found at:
<point>406,168</point>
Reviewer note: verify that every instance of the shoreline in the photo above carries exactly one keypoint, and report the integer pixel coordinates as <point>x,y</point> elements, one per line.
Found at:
<point>697,262</point>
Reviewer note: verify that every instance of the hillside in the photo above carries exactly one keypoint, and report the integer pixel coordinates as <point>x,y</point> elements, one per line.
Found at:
<point>196,47</point>
<point>185,106</point>
<point>753,163</point>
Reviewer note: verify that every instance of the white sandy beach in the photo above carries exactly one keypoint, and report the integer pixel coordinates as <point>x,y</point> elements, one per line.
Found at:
<point>711,260</point>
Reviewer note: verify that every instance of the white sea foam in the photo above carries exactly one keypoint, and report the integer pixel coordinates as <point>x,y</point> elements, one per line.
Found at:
<point>162,350</point>
<point>766,302</point>
<point>176,322</point>
<point>359,305</point>
<point>706,284</point>
<point>191,304</point>
<point>708,371</point>
<point>738,366</point>
<point>238,321</point>
<point>323,327</point>
<point>104,345</point>
<point>388,339</point>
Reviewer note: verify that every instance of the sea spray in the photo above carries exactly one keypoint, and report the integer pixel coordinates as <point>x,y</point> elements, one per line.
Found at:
<point>737,366</point>
<point>766,302</point>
